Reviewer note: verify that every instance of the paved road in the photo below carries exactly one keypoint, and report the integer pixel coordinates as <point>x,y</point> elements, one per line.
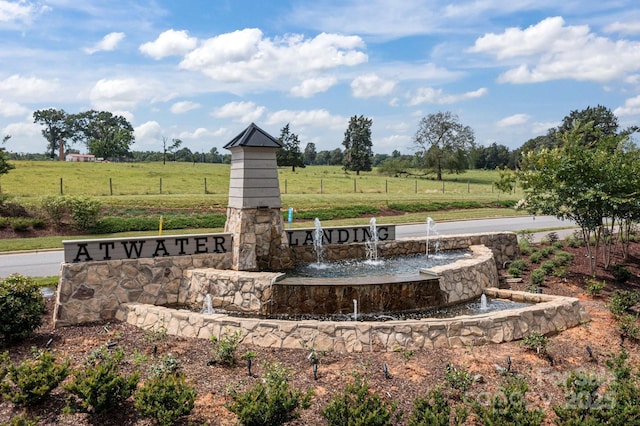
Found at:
<point>47,263</point>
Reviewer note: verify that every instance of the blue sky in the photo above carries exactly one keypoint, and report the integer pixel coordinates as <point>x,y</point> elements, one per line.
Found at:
<point>202,70</point>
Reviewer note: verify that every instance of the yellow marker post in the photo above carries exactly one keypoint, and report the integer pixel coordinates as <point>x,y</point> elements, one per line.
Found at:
<point>160,232</point>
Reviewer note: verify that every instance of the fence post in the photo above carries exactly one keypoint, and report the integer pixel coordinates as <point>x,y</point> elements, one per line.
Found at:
<point>205,185</point>
<point>468,187</point>
<point>285,186</point>
<point>110,187</point>
<point>161,185</point>
<point>443,187</point>
<point>386,186</point>
<point>321,186</point>
<point>415,186</point>
<point>61,192</point>
<point>354,186</point>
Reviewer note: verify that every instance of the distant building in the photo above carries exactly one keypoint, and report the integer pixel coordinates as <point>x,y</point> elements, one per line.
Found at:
<point>80,157</point>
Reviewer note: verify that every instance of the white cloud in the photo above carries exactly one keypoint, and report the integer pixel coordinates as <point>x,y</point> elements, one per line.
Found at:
<point>513,120</point>
<point>184,106</point>
<point>540,127</point>
<point>631,107</point>
<point>149,133</point>
<point>201,133</point>
<point>18,11</point>
<point>437,96</point>
<point>243,112</point>
<point>246,56</point>
<point>311,86</point>
<point>317,118</point>
<point>108,43</point>
<point>550,50</point>
<point>120,94</point>
<point>366,86</point>
<point>28,88</point>
<point>10,109</point>
<point>169,43</point>
<point>630,27</point>
<point>25,129</point>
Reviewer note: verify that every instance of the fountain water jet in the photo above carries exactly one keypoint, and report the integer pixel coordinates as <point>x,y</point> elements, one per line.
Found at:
<point>483,302</point>
<point>372,241</point>
<point>317,240</point>
<point>431,228</point>
<point>207,307</point>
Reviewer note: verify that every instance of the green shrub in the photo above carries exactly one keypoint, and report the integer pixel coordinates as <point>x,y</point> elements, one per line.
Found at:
<point>537,277</point>
<point>165,398</point>
<point>458,378</point>
<point>21,307</point>
<point>20,224</point>
<point>84,212</point>
<point>271,401</point>
<point>514,272</point>
<point>547,251</point>
<point>357,406</point>
<point>508,406</point>
<point>56,207</point>
<point>435,410</point>
<point>625,389</point>
<point>519,264</point>
<point>547,266</point>
<point>585,404</point>
<point>169,365</point>
<point>38,223</point>
<point>536,342</point>
<point>558,245</point>
<point>535,256</point>
<point>224,348</point>
<point>620,273</point>
<point>99,385</point>
<point>562,258</point>
<point>5,222</point>
<point>22,419</point>
<point>621,300</point>
<point>31,381</point>
<point>628,325</point>
<point>594,287</point>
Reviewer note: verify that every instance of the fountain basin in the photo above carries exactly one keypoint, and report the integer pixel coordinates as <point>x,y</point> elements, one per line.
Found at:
<point>548,314</point>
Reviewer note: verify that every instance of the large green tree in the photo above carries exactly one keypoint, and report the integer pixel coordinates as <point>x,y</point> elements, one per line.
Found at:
<point>310,153</point>
<point>105,135</point>
<point>5,166</point>
<point>594,185</point>
<point>58,128</point>
<point>358,152</point>
<point>442,142</point>
<point>289,154</point>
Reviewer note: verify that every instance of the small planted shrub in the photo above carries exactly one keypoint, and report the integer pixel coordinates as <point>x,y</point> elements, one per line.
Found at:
<point>620,273</point>
<point>84,211</point>
<point>169,364</point>
<point>357,406</point>
<point>458,378</point>
<point>165,398</point>
<point>509,407</point>
<point>628,325</point>
<point>535,256</point>
<point>536,342</point>
<point>271,401</point>
<point>21,307</point>
<point>562,258</point>
<point>537,277</point>
<point>31,381</point>
<point>547,251</point>
<point>435,410</point>
<point>547,266</point>
<point>585,404</point>
<point>55,208</point>
<point>594,287</point>
<point>99,385</point>
<point>224,348</point>
<point>20,224</point>
<point>516,267</point>
<point>621,300</point>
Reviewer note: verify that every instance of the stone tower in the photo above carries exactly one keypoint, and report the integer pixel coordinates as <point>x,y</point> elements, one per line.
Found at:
<point>253,213</point>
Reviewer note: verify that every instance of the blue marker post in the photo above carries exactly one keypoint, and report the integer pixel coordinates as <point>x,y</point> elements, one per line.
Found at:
<point>290,216</point>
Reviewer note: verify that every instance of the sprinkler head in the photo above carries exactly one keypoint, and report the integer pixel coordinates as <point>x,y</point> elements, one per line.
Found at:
<point>508,363</point>
<point>589,351</point>
<point>49,342</point>
<point>315,371</point>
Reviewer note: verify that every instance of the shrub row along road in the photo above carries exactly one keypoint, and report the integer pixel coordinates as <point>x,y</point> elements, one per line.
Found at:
<point>47,263</point>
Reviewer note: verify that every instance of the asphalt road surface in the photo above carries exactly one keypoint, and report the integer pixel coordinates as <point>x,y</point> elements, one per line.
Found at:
<point>47,262</point>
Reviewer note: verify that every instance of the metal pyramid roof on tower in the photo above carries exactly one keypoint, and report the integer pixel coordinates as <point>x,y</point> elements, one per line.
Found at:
<point>254,136</point>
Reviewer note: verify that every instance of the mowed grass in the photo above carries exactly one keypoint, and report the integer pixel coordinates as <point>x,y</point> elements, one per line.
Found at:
<point>205,186</point>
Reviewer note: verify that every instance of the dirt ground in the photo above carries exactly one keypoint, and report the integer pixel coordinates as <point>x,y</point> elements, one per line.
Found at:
<point>411,374</point>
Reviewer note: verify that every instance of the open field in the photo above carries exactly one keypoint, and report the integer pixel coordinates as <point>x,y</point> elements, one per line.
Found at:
<point>203,185</point>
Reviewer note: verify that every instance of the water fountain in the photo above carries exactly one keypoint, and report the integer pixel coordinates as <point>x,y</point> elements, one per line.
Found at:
<point>318,234</point>
<point>240,271</point>
<point>431,229</point>
<point>483,302</point>
<point>372,242</point>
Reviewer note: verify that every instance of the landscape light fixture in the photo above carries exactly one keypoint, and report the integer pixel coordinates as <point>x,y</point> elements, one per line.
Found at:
<point>385,370</point>
<point>508,363</point>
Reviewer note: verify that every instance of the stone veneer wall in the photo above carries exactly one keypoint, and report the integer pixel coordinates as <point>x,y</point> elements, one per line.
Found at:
<point>550,314</point>
<point>93,291</point>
